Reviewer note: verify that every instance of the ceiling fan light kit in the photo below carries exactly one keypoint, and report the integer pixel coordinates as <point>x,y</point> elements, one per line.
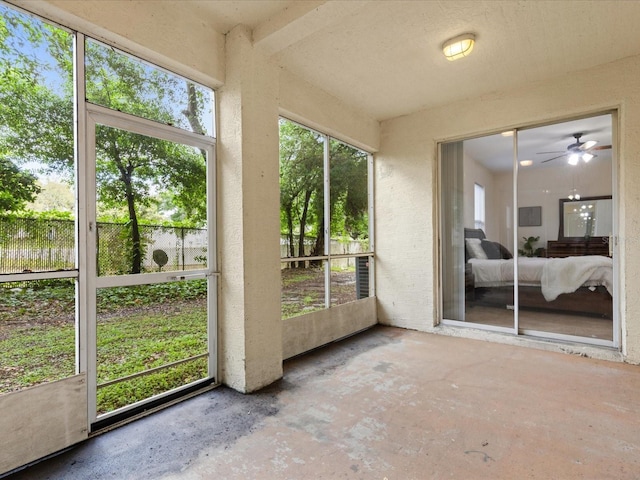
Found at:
<point>579,151</point>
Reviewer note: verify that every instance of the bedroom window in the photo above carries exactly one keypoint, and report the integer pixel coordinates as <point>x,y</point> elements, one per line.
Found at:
<point>538,261</point>
<point>478,204</point>
<point>325,207</point>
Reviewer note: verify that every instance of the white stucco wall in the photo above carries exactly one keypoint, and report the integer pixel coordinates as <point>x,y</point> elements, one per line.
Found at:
<point>406,194</point>
<point>249,219</point>
<point>313,107</point>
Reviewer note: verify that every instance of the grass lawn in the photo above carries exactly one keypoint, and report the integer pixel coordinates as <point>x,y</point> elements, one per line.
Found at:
<point>33,355</point>
<point>132,344</point>
<point>139,328</point>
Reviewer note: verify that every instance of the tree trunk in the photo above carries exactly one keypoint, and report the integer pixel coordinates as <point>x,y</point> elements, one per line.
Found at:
<point>303,221</point>
<point>318,248</point>
<point>126,172</point>
<point>136,244</point>
<point>290,239</point>
<point>191,112</point>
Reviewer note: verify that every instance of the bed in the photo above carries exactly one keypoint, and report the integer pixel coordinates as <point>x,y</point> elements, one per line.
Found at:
<point>580,285</point>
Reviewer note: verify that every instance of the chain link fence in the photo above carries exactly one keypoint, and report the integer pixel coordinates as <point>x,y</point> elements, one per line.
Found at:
<point>37,245</point>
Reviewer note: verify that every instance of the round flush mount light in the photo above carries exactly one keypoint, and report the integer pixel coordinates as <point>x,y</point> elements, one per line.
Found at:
<point>459,47</point>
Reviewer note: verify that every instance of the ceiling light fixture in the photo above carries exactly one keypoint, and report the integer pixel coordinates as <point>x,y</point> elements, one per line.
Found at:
<point>574,158</point>
<point>526,163</point>
<point>459,47</point>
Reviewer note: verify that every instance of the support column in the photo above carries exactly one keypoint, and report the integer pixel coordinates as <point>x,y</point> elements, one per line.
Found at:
<point>250,324</point>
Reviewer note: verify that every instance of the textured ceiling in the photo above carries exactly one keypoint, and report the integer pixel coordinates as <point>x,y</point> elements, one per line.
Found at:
<point>543,143</point>
<point>384,57</point>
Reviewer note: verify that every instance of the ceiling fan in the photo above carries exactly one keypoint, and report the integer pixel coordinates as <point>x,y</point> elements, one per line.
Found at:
<point>578,150</point>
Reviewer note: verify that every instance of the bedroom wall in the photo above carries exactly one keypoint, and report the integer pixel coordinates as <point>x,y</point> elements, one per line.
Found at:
<point>545,187</point>
<point>406,173</point>
<point>474,173</point>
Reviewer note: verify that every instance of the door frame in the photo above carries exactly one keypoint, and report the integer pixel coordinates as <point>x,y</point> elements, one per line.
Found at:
<point>98,115</point>
<point>616,251</point>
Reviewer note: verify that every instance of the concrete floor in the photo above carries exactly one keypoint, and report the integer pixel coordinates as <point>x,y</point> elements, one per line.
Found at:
<point>389,404</point>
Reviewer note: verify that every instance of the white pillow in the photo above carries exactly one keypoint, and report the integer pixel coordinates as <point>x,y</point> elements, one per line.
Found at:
<point>474,248</point>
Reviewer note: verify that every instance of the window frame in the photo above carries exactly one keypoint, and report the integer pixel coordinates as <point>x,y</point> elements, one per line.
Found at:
<point>327,257</point>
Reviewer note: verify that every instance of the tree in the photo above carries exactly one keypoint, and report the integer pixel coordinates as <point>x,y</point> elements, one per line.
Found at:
<point>54,196</point>
<point>302,188</point>
<point>301,182</point>
<point>36,121</point>
<point>17,188</point>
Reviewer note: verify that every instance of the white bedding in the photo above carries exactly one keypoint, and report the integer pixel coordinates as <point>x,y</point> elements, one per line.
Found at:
<point>553,275</point>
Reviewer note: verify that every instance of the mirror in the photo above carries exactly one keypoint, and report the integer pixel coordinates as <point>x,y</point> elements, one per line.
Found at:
<point>585,219</point>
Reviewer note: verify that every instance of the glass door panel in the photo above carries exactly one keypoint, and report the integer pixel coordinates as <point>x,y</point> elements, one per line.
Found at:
<point>154,289</point>
<point>557,225</point>
<point>565,217</point>
<point>476,186</point>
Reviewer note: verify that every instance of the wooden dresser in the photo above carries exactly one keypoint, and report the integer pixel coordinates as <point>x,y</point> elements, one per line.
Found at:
<point>575,248</point>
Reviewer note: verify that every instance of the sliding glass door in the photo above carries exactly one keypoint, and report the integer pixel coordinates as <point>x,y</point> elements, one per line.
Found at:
<point>477,234</point>
<point>527,220</point>
<point>565,219</point>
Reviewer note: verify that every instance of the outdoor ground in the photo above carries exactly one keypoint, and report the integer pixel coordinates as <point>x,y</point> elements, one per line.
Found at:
<point>303,289</point>
<point>139,328</point>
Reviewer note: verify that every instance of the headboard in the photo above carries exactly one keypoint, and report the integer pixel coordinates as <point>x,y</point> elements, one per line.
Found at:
<point>493,250</point>
<point>474,233</point>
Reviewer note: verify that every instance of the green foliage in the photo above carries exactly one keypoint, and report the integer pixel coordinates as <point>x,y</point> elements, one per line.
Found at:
<point>37,336</point>
<point>148,295</point>
<point>528,248</point>
<point>142,342</point>
<point>54,196</point>
<point>128,392</point>
<point>302,188</point>
<point>16,187</point>
<point>301,183</point>
<point>349,191</point>
<point>57,295</point>
<point>34,215</point>
<point>36,112</point>
<point>34,355</point>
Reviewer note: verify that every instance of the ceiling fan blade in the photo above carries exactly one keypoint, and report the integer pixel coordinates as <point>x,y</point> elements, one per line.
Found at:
<point>588,145</point>
<point>547,153</point>
<point>553,158</point>
<point>601,147</point>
